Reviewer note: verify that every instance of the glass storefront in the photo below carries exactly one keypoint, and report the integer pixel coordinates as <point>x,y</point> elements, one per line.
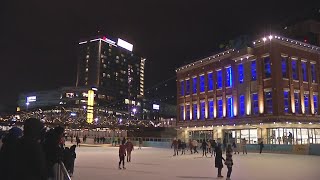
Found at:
<point>293,136</point>
<point>251,135</point>
<point>200,135</point>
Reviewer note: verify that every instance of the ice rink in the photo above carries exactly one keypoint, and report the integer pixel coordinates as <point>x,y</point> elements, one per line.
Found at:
<point>100,163</point>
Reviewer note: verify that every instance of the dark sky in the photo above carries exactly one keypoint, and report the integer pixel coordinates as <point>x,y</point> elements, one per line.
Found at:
<point>38,39</point>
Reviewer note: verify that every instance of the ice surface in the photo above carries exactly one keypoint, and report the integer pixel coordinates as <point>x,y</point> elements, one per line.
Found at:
<point>100,163</point>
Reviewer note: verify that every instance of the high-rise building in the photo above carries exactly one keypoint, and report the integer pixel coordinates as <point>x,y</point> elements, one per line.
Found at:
<point>268,91</point>
<point>112,68</point>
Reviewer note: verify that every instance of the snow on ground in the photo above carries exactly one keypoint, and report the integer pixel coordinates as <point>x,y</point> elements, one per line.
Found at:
<point>100,163</point>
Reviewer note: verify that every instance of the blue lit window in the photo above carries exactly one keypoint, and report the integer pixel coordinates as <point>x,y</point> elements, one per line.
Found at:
<point>187,87</point>
<point>219,78</point>
<point>306,104</point>
<point>188,112</point>
<point>202,83</point>
<point>253,71</point>
<point>211,104</point>
<point>181,112</point>
<point>296,102</point>
<point>241,73</point>
<point>195,111</point>
<point>267,67</point>
<point>313,73</point>
<point>294,70</point>
<point>228,77</point>
<point>182,88</point>
<point>203,110</point>
<point>194,84</point>
<point>286,101</point>
<point>220,108</point>
<point>230,106</point>
<point>268,102</point>
<point>210,81</point>
<point>304,71</point>
<point>315,103</point>
<point>255,103</point>
<point>242,106</point>
<point>284,68</point>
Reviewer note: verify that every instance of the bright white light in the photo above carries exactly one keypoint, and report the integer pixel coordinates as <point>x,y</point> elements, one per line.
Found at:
<point>96,119</point>
<point>125,44</point>
<point>134,110</point>
<point>270,37</point>
<point>73,114</point>
<point>310,122</point>
<point>95,89</point>
<point>264,39</point>
<point>156,106</point>
<point>27,103</point>
<point>31,99</point>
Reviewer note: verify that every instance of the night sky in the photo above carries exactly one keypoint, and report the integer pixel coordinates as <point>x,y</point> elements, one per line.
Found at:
<point>38,39</point>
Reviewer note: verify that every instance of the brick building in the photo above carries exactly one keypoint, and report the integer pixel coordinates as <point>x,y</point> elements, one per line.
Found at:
<point>269,92</point>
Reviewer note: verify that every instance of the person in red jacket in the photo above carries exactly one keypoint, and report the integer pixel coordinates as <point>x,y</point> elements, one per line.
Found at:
<point>130,148</point>
<point>122,154</point>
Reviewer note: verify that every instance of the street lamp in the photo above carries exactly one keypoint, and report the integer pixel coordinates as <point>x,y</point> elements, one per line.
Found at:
<point>134,110</point>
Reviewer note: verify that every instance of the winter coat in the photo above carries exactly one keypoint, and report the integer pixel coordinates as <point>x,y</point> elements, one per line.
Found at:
<point>229,160</point>
<point>204,145</point>
<point>195,143</point>
<point>122,150</point>
<point>174,144</point>
<point>129,146</point>
<point>218,158</point>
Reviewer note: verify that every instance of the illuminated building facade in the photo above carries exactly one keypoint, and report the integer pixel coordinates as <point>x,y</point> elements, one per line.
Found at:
<point>269,92</point>
<point>112,68</point>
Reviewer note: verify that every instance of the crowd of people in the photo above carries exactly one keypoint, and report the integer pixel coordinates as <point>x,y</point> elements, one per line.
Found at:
<point>215,149</point>
<point>35,152</point>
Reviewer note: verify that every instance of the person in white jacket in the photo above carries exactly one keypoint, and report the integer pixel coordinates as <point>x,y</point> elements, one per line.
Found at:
<point>195,146</point>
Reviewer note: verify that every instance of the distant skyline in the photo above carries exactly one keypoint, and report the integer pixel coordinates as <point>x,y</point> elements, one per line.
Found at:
<point>38,47</point>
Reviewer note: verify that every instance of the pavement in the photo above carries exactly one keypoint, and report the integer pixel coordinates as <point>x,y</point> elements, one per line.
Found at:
<point>100,163</point>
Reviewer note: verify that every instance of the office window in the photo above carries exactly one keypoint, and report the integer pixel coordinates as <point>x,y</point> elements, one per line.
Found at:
<point>182,88</point>
<point>267,67</point>
<point>284,68</point>
<point>195,111</point>
<point>230,106</point>
<point>181,112</point>
<point>202,83</point>
<point>268,102</point>
<point>313,73</point>
<point>306,104</point>
<point>255,102</point>
<point>194,85</point>
<point>219,78</point>
<point>286,96</point>
<point>188,87</point>
<point>253,71</point>
<point>210,104</point>
<point>188,112</point>
<point>296,102</point>
<point>241,73</point>
<point>294,70</point>
<point>242,107</point>
<point>203,110</point>
<point>304,71</point>
<point>315,103</point>
<point>220,108</point>
<point>228,77</point>
<point>210,81</point>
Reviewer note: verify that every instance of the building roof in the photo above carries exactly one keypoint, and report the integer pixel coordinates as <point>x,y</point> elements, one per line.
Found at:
<point>255,43</point>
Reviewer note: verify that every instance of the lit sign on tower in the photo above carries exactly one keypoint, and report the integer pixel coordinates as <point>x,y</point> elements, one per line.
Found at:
<point>125,44</point>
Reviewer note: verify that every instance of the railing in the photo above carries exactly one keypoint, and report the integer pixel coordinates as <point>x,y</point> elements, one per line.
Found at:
<point>61,172</point>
